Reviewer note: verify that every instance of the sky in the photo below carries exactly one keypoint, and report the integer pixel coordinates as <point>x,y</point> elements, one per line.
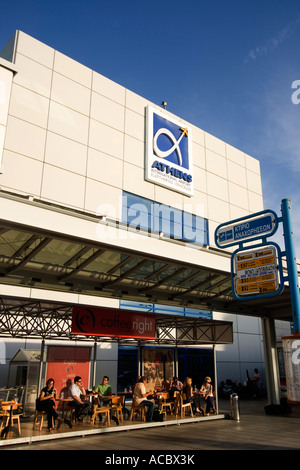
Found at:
<point>230,67</point>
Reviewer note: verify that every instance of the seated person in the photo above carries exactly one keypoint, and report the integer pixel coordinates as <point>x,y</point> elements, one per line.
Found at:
<point>209,398</point>
<point>46,402</point>
<point>77,392</point>
<point>189,393</point>
<point>176,386</point>
<point>140,397</point>
<point>104,389</point>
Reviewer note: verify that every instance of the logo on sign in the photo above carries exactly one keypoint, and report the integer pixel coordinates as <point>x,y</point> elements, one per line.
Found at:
<point>168,157</point>
<point>113,323</point>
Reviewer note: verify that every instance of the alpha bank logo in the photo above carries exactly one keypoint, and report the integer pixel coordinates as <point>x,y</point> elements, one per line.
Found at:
<point>168,154</point>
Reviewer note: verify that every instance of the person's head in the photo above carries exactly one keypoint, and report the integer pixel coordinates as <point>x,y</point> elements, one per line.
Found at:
<point>188,382</point>
<point>78,380</point>
<point>207,380</point>
<point>105,380</point>
<point>50,383</point>
<point>256,371</point>
<point>175,379</point>
<point>142,379</point>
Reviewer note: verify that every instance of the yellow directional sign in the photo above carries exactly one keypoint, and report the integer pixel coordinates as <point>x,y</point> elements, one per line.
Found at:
<point>256,271</point>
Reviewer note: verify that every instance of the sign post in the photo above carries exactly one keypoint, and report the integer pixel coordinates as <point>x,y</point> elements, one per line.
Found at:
<point>256,272</point>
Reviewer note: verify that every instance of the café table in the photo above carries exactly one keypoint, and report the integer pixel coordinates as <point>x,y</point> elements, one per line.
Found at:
<point>64,401</point>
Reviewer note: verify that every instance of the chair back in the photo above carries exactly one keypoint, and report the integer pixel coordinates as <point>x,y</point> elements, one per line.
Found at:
<point>117,401</point>
<point>163,395</point>
<point>96,400</point>
<point>122,399</point>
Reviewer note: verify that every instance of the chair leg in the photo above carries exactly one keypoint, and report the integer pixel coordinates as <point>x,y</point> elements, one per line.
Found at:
<point>42,421</point>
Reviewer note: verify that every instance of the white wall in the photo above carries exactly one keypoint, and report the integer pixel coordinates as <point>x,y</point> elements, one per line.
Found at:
<point>77,139</point>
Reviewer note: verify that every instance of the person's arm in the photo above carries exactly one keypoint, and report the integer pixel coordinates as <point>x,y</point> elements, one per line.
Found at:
<point>144,393</point>
<point>43,397</point>
<point>209,393</point>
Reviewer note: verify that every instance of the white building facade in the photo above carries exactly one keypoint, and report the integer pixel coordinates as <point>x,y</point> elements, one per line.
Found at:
<point>82,158</point>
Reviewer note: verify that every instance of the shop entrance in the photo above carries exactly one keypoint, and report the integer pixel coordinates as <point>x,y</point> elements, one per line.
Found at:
<point>197,364</point>
<point>158,365</point>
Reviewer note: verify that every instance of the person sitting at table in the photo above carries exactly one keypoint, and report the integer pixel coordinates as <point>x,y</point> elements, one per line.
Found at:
<point>46,402</point>
<point>175,386</point>
<point>190,397</point>
<point>138,378</point>
<point>81,405</point>
<point>140,397</point>
<point>104,390</point>
<point>207,392</point>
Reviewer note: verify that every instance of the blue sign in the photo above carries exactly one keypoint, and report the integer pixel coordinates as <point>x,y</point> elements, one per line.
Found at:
<point>168,152</point>
<point>259,225</point>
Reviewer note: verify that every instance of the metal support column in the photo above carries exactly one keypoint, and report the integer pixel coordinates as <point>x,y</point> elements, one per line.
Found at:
<point>94,366</point>
<point>176,362</point>
<point>291,262</point>
<point>41,367</point>
<point>216,377</point>
<point>271,360</point>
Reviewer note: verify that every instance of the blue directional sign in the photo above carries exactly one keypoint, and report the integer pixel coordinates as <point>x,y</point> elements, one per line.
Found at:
<point>245,229</point>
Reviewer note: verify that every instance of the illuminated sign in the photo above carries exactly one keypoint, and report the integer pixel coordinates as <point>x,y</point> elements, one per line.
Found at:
<point>168,153</point>
<point>112,322</point>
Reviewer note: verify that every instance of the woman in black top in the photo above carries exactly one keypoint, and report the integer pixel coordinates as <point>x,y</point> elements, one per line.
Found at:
<point>46,403</point>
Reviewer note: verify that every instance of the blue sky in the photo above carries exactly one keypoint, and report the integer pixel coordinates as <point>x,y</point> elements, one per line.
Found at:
<point>227,66</point>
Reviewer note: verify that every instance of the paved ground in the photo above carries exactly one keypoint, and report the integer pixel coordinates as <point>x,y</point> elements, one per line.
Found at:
<point>254,431</point>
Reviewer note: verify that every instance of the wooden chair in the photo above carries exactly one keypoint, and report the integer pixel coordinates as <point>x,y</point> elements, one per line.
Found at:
<point>116,407</point>
<point>136,410</point>
<point>41,415</point>
<point>185,406</point>
<point>214,405</point>
<point>164,404</point>
<point>6,407</point>
<point>100,410</point>
<point>40,422</point>
<point>177,404</point>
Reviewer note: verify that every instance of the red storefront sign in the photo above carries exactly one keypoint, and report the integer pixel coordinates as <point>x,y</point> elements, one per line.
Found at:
<point>112,322</point>
<point>64,363</point>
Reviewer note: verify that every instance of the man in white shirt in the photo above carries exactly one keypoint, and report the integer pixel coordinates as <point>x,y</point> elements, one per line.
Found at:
<point>77,392</point>
<point>140,397</point>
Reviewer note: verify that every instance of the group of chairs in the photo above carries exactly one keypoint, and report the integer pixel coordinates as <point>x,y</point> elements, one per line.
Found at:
<point>113,409</point>
<point>178,407</point>
<point>9,412</point>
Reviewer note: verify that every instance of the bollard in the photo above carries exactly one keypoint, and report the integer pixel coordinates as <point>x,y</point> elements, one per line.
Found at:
<point>235,407</point>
